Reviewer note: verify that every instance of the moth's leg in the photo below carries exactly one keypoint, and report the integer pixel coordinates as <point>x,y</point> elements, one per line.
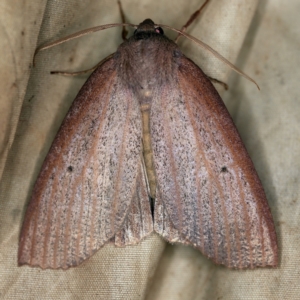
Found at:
<point>192,19</point>
<point>218,82</point>
<point>84,71</point>
<point>124,31</point>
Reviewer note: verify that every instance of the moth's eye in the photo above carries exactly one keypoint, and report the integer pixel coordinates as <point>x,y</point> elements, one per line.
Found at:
<point>159,30</point>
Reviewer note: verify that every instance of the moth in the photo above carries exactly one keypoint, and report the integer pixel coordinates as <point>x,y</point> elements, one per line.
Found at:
<point>148,146</point>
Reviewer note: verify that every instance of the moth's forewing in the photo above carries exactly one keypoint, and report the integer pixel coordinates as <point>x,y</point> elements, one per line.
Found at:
<point>210,192</point>
<point>89,178</point>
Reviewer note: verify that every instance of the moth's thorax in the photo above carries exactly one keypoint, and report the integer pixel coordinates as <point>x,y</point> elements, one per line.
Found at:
<point>146,64</point>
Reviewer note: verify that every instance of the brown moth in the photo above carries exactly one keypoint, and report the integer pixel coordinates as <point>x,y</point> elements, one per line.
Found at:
<point>148,146</point>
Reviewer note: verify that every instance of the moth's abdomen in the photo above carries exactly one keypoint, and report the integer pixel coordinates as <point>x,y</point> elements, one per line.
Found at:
<point>147,149</point>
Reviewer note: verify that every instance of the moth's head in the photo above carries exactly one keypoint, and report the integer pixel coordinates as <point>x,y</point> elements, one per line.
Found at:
<point>147,28</point>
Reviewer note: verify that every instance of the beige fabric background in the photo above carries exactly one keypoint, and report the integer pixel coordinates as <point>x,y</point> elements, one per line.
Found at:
<point>260,37</point>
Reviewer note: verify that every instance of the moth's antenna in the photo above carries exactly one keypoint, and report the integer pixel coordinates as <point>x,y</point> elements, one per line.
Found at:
<point>77,35</point>
<point>211,50</point>
<point>107,26</point>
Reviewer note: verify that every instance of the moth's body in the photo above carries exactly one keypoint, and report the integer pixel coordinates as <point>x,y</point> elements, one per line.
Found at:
<point>147,150</point>
<point>148,124</point>
<point>146,62</point>
<point>145,66</point>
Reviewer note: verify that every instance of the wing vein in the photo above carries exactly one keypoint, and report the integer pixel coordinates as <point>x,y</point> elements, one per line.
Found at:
<point>121,160</point>
<point>212,175</point>
<point>46,236</point>
<point>248,229</point>
<point>80,178</point>
<point>169,141</point>
<point>207,166</point>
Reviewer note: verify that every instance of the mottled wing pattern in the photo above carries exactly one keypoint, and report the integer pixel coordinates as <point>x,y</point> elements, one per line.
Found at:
<point>83,196</point>
<point>208,192</point>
